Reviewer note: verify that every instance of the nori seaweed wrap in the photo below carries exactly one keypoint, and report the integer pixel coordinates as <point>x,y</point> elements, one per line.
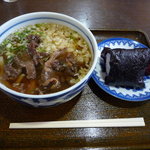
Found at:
<point>125,67</point>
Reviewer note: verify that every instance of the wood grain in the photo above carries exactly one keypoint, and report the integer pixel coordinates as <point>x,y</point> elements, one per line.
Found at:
<point>92,103</point>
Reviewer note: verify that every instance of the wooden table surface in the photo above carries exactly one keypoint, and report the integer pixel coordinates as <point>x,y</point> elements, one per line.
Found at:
<point>92,103</point>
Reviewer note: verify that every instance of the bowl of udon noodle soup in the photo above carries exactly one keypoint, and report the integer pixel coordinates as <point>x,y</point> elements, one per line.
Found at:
<point>46,58</point>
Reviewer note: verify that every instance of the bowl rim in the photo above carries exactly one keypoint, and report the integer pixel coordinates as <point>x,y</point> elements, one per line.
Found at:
<point>63,92</point>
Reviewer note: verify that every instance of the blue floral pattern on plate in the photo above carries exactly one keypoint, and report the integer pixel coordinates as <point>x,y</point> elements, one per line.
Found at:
<point>119,92</point>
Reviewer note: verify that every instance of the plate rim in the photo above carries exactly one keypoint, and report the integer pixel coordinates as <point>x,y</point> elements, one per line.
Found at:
<point>110,92</point>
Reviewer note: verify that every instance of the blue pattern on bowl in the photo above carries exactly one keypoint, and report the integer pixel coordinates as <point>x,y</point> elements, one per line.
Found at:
<point>60,97</point>
<point>50,101</point>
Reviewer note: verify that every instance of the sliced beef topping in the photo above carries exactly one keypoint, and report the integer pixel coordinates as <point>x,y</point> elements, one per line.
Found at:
<point>65,62</point>
<point>50,80</point>
<point>12,70</point>
<point>34,41</point>
<point>58,69</point>
<point>48,72</point>
<point>15,68</point>
<point>25,61</point>
<point>32,52</point>
<point>53,58</point>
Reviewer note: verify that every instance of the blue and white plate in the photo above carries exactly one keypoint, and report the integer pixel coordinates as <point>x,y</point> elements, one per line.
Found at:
<point>121,93</point>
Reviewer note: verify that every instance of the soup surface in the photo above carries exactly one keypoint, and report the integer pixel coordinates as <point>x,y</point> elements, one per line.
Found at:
<point>43,58</point>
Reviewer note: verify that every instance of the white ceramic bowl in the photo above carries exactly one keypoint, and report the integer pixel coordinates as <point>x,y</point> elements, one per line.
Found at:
<point>49,17</point>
